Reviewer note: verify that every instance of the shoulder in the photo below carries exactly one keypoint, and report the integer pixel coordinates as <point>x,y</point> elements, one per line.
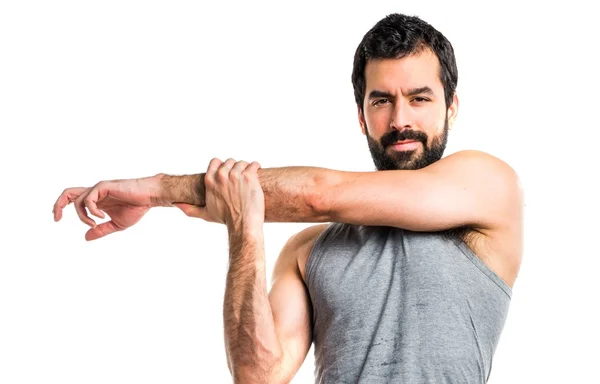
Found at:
<point>497,183</point>
<point>500,245</point>
<point>478,162</point>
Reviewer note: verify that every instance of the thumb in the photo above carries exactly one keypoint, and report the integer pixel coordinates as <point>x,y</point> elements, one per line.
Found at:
<point>193,210</point>
<point>101,230</point>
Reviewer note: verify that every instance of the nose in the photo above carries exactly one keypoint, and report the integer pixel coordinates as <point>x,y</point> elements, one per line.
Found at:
<point>402,116</point>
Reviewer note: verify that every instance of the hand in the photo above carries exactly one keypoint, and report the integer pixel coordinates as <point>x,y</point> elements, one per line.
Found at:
<point>234,195</point>
<point>125,202</point>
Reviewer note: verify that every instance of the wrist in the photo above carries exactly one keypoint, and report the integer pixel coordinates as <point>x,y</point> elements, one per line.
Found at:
<point>245,230</point>
<point>246,242</point>
<point>187,189</point>
<point>157,192</point>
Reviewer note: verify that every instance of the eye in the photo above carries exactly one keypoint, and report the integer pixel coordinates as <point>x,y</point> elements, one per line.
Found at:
<point>380,102</point>
<point>420,99</point>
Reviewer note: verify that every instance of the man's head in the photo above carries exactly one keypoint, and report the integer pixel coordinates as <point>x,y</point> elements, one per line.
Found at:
<point>404,80</point>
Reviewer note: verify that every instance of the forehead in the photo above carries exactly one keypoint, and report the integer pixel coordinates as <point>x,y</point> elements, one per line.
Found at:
<point>422,69</point>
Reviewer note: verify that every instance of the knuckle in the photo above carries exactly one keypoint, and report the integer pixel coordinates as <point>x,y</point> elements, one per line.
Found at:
<point>248,175</point>
<point>209,181</point>
<point>239,167</point>
<point>234,176</point>
<point>210,173</point>
<point>222,175</point>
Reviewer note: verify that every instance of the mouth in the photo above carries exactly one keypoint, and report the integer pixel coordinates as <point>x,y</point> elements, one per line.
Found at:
<point>405,145</point>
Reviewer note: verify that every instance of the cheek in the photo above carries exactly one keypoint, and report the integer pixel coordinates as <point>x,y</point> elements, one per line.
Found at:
<point>378,123</point>
<point>431,123</point>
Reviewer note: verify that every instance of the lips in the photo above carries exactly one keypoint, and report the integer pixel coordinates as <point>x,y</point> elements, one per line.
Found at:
<point>403,142</point>
<point>405,137</point>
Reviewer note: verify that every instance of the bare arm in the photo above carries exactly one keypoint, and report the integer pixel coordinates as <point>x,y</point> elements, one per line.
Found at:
<point>267,337</point>
<point>289,192</point>
<point>252,346</point>
<point>464,189</point>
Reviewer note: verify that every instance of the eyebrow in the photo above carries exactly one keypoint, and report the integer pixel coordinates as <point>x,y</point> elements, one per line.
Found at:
<point>411,92</point>
<point>376,93</point>
<point>416,91</point>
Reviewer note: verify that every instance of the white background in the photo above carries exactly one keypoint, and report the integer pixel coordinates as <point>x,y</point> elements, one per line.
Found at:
<point>91,91</point>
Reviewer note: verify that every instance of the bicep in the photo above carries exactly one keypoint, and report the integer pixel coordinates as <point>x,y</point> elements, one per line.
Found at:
<point>465,189</point>
<point>291,308</point>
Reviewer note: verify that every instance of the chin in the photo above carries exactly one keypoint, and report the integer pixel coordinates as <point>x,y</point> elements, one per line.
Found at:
<point>412,161</point>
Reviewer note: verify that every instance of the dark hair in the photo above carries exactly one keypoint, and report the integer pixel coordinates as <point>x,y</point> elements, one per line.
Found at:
<point>397,36</point>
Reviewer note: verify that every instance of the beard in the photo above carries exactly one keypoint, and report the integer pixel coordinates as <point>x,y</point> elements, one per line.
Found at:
<point>407,160</point>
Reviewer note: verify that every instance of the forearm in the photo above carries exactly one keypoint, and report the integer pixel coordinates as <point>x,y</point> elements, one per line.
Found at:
<point>188,189</point>
<point>253,350</point>
<point>290,192</point>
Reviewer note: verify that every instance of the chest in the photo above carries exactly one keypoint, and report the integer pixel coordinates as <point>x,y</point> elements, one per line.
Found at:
<point>382,269</point>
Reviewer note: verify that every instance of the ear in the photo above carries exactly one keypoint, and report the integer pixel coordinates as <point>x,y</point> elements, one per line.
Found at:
<point>453,111</point>
<point>361,121</point>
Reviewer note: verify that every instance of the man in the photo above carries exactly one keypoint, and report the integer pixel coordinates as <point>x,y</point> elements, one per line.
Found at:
<point>411,282</point>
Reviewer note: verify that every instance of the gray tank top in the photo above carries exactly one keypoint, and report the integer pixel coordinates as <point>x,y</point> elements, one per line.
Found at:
<point>395,306</point>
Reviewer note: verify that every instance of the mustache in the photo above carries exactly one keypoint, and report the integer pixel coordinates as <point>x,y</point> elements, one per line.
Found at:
<point>408,134</point>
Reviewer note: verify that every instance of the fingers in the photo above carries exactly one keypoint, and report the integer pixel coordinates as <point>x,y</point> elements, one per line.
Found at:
<point>193,210</point>
<point>68,196</point>
<point>237,170</point>
<point>228,170</point>
<point>82,198</point>
<point>249,173</point>
<point>101,231</point>
<point>213,166</point>
<point>225,184</point>
<point>90,202</point>
<point>81,212</point>
<point>243,168</point>
<point>253,167</point>
<point>222,174</point>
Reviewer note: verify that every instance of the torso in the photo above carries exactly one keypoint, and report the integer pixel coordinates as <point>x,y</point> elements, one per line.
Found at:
<point>403,305</point>
<point>501,252</point>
